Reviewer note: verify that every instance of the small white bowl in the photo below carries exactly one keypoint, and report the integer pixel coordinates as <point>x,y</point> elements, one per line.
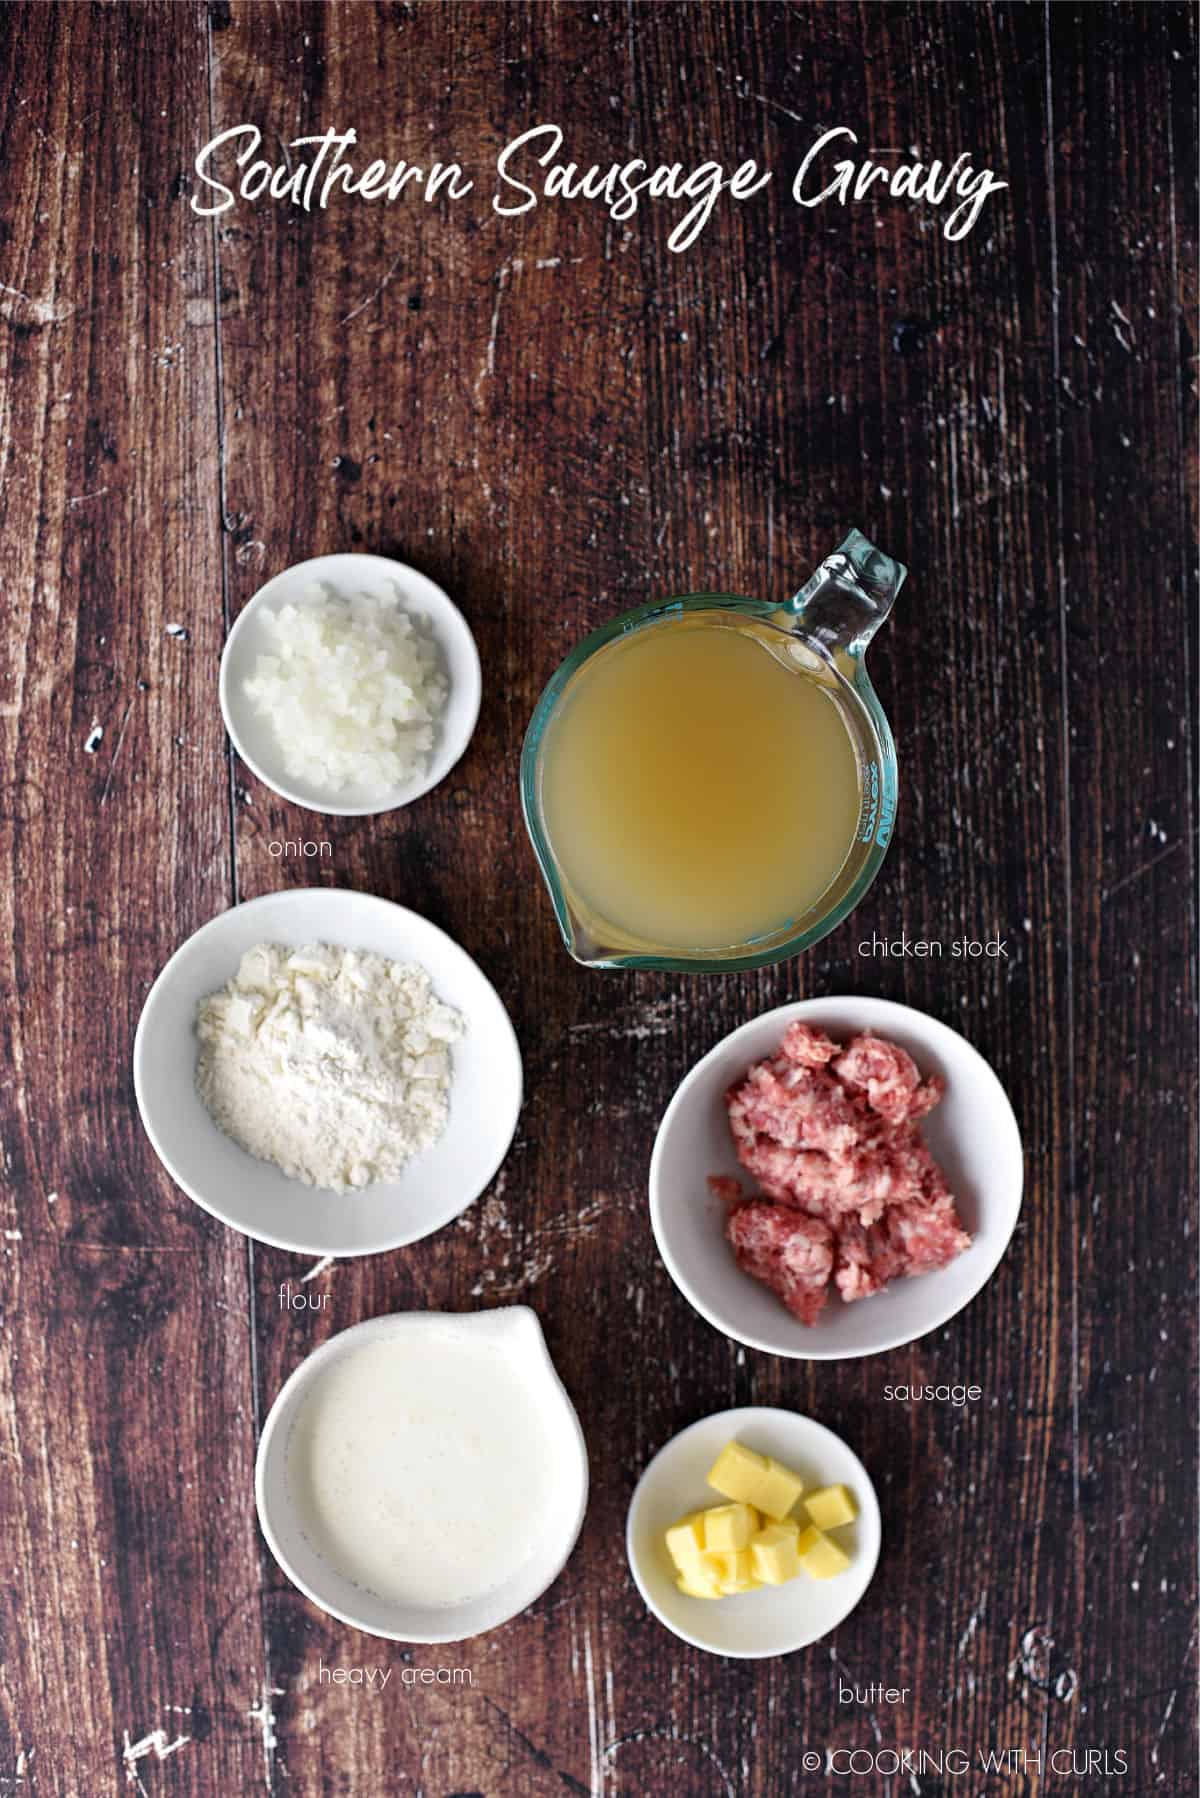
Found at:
<point>253,735</point>
<point>773,1619</point>
<point>972,1133</point>
<point>254,1196</point>
<point>512,1330</point>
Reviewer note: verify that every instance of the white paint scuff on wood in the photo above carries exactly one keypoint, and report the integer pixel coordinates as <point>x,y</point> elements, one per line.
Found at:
<point>375,293</point>
<point>43,312</point>
<point>594,1744</point>
<point>156,1743</point>
<point>262,1714</point>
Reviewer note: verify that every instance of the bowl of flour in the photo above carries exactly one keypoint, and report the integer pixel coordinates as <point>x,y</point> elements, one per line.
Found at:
<point>327,1072</point>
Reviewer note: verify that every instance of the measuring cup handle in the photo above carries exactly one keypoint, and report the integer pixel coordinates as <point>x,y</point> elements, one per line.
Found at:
<point>849,596</point>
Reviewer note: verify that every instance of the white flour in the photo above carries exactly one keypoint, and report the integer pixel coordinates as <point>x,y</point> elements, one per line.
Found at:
<point>332,1063</point>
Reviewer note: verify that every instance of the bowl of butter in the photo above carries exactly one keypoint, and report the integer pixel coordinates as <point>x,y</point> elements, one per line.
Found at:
<point>753,1533</point>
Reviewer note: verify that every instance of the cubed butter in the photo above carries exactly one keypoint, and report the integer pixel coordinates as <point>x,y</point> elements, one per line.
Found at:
<point>820,1556</point>
<point>729,1527</point>
<point>699,1583</point>
<point>734,1570</point>
<point>831,1506</point>
<point>774,1553</point>
<point>685,1540</point>
<point>740,1474</point>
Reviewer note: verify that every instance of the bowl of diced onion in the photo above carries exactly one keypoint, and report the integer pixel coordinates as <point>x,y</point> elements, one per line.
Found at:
<point>350,684</point>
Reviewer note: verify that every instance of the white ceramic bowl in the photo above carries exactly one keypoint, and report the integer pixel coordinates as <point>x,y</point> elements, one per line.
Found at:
<point>254,1196</point>
<point>513,1330</point>
<point>253,736</point>
<point>773,1619</point>
<point>972,1133</point>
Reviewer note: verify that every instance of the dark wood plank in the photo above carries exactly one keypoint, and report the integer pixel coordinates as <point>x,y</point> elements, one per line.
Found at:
<point>518,482</point>
<point>1126,593</point>
<point>898,348</point>
<point>131,1596</point>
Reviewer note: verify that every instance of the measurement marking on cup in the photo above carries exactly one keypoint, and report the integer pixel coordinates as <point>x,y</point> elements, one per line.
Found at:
<point>870,811</point>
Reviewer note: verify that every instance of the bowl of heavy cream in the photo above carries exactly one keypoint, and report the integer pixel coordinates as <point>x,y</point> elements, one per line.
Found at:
<point>424,1476</point>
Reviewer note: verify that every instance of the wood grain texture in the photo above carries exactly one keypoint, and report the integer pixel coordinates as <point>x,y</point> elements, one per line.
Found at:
<point>557,417</point>
<point>126,1400</point>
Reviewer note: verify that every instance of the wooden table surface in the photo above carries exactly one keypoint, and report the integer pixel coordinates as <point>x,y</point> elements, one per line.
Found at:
<point>557,416</point>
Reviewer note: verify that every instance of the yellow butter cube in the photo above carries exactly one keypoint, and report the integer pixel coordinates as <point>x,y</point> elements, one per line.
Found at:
<point>729,1527</point>
<point>737,1472</point>
<point>685,1540</point>
<point>740,1474</point>
<point>782,1489</point>
<point>734,1570</point>
<point>831,1506</point>
<point>820,1555</point>
<point>698,1585</point>
<point>774,1553</point>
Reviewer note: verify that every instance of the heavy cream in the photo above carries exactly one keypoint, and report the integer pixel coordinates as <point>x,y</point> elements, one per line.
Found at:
<point>426,1466</point>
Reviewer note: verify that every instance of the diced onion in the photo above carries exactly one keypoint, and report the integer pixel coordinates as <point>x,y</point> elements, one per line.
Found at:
<point>353,690</point>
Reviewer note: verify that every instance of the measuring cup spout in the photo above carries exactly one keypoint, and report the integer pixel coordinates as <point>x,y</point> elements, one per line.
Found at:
<point>848,597</point>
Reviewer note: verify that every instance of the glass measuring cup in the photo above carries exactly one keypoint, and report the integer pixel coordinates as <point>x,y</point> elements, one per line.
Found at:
<point>822,633</point>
